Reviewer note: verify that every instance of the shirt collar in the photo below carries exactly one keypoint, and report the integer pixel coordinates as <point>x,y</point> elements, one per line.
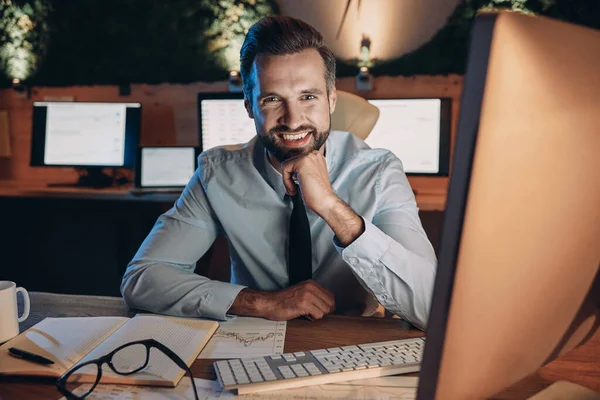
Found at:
<point>273,177</point>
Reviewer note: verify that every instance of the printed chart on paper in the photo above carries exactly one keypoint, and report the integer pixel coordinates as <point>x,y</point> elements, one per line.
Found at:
<point>246,337</point>
<point>210,390</point>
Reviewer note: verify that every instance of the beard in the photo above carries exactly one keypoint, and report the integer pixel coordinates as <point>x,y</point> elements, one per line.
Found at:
<point>273,144</point>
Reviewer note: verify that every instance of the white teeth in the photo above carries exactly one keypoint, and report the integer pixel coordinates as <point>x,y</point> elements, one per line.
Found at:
<point>295,137</point>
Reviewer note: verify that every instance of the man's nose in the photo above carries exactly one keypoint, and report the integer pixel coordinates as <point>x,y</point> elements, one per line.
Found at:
<point>293,116</point>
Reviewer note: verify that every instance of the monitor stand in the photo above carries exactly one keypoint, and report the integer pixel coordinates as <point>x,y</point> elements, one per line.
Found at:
<point>94,178</point>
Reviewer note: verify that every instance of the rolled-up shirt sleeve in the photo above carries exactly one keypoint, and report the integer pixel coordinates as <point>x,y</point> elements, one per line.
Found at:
<point>161,279</point>
<point>393,258</point>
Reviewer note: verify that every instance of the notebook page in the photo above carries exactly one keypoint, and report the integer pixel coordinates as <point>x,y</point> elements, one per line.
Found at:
<point>63,340</point>
<point>184,336</point>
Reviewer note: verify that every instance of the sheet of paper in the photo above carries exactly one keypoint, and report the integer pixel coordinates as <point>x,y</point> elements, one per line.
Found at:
<point>184,336</point>
<point>63,340</point>
<point>207,390</point>
<point>210,390</point>
<point>246,337</point>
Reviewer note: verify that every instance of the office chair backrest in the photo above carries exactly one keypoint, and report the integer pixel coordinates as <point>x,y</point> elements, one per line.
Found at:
<point>354,114</point>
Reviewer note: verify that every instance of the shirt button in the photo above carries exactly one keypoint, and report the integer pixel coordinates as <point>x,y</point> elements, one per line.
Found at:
<point>384,297</point>
<point>353,261</point>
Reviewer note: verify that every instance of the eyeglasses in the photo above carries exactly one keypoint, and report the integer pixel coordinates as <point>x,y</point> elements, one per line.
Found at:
<point>124,360</point>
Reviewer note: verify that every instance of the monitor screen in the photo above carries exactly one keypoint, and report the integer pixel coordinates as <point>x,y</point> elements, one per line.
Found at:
<point>223,120</point>
<point>417,131</point>
<point>166,166</point>
<point>81,134</point>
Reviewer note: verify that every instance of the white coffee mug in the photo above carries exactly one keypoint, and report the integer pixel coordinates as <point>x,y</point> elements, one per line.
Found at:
<point>9,319</point>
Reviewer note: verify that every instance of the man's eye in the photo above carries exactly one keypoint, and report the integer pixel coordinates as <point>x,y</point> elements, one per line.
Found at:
<point>270,99</point>
<point>309,97</point>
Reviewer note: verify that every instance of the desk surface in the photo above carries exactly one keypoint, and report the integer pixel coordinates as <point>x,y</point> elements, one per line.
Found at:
<point>580,366</point>
<point>120,193</point>
<point>430,201</point>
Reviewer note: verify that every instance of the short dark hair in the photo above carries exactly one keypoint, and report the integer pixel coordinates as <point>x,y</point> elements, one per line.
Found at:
<point>281,35</point>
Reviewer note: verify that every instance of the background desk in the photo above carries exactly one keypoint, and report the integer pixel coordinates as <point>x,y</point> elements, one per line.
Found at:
<point>581,366</point>
<point>79,240</point>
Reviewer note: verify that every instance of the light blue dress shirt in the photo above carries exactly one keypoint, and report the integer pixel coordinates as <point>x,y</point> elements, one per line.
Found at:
<point>237,192</point>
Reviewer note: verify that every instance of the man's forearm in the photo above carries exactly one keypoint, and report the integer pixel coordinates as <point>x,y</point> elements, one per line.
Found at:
<point>344,222</point>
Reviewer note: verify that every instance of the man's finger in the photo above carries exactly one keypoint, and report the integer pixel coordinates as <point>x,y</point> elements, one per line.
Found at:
<point>287,172</point>
<point>324,294</point>
<point>322,305</point>
<point>315,312</point>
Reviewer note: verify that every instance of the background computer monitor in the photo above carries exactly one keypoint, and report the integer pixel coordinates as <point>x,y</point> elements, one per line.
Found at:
<point>85,135</point>
<point>518,279</point>
<point>223,120</point>
<point>165,166</point>
<point>417,131</point>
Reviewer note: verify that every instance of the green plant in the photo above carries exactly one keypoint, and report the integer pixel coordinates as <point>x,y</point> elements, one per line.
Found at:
<point>23,36</point>
<point>232,19</point>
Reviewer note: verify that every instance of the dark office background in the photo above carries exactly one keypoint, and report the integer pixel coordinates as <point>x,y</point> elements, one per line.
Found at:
<point>85,42</point>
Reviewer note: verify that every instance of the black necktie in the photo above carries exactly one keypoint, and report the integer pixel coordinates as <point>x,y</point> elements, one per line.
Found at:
<point>299,247</point>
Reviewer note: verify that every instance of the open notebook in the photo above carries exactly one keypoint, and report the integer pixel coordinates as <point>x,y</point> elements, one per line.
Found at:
<point>70,341</point>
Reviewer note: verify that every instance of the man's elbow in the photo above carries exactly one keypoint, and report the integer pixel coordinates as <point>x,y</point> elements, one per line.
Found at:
<point>129,283</point>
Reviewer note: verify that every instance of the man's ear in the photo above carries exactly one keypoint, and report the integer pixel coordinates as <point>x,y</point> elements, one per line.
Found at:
<point>248,107</point>
<point>332,100</point>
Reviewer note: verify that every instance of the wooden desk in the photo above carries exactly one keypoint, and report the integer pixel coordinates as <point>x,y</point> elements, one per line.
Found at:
<point>580,366</point>
<point>120,193</point>
<point>426,200</point>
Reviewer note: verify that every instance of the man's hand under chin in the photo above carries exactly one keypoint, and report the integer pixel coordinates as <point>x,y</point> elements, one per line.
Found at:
<point>307,298</point>
<point>310,170</point>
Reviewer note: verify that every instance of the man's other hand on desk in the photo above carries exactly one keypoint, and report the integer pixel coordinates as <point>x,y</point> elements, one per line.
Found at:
<point>307,298</point>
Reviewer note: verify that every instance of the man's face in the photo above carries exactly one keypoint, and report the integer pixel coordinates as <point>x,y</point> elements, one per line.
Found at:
<point>290,104</point>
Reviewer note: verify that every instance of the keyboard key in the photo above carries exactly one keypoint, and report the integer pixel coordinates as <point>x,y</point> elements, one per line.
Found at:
<point>299,354</point>
<point>312,368</point>
<point>276,357</point>
<point>286,371</point>
<point>299,369</point>
<point>289,357</point>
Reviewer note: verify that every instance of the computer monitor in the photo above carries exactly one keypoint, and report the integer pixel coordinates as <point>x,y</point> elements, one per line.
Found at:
<point>90,135</point>
<point>223,120</point>
<point>417,131</point>
<point>165,168</point>
<point>518,278</point>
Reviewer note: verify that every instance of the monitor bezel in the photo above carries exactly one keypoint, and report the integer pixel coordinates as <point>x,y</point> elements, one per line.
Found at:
<point>212,96</point>
<point>445,142</point>
<point>458,190</point>
<point>138,165</point>
<point>38,137</point>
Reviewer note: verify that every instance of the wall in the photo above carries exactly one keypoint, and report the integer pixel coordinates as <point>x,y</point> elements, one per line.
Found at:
<point>170,117</point>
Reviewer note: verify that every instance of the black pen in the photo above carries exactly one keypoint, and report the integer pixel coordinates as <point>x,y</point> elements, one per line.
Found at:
<point>25,355</point>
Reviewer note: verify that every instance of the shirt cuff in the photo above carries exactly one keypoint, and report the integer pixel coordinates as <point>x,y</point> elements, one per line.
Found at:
<point>219,299</point>
<point>364,256</point>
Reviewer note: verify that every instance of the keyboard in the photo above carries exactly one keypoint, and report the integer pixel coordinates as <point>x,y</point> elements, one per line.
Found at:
<point>318,367</point>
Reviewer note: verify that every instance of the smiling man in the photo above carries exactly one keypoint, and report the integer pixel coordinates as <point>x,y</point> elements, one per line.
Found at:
<point>316,221</point>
